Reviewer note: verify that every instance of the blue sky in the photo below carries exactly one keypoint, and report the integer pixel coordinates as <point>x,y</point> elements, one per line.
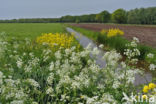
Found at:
<point>10,9</point>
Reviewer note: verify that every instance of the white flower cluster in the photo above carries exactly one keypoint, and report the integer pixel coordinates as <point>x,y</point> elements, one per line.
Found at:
<point>152,67</point>
<point>19,63</point>
<point>33,83</point>
<point>132,52</point>
<point>150,55</point>
<point>33,62</point>
<point>74,75</point>
<point>64,76</point>
<point>9,89</point>
<point>112,58</point>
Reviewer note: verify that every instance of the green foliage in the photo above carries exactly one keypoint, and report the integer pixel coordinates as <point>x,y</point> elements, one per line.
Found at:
<point>146,50</point>
<point>119,16</point>
<point>77,21</point>
<point>142,16</point>
<point>103,17</point>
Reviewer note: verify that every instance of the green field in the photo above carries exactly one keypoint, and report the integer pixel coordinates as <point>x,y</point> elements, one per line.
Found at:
<point>30,30</point>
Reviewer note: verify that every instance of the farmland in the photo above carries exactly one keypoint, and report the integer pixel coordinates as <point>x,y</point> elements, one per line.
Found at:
<point>31,31</point>
<point>44,64</point>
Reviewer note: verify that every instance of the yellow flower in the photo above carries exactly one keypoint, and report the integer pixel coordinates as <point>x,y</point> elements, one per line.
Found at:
<point>114,32</point>
<point>145,89</point>
<point>56,40</point>
<point>151,86</point>
<point>144,97</point>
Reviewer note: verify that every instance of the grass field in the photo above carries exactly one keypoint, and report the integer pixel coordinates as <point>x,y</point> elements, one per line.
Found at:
<point>30,30</point>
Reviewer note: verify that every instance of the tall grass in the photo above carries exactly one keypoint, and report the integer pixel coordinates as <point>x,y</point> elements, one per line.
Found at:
<point>90,34</point>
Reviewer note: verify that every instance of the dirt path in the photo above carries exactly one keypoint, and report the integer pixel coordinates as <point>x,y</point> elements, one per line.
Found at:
<point>84,41</point>
<point>146,35</point>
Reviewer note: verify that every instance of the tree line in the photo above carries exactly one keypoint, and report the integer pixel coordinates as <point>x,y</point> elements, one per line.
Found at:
<point>121,16</point>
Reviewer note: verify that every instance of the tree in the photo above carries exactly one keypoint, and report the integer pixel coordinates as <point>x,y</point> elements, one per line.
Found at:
<point>151,15</point>
<point>142,16</point>
<point>98,18</point>
<point>133,17</point>
<point>119,16</point>
<point>77,21</point>
<point>103,17</point>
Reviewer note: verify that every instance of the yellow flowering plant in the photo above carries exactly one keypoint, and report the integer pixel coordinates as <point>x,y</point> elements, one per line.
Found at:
<point>112,32</point>
<point>145,89</point>
<point>56,40</point>
<point>149,87</point>
<point>149,91</point>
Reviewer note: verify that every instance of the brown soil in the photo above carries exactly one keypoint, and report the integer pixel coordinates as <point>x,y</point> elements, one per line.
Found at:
<point>146,34</point>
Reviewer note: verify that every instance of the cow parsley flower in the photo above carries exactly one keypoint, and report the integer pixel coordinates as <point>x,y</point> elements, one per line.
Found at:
<point>19,63</point>
<point>58,55</point>
<point>49,91</point>
<point>150,55</point>
<point>101,45</point>
<point>50,78</point>
<point>31,54</point>
<point>51,66</point>
<point>28,68</point>
<point>34,103</point>
<point>136,39</point>
<point>95,51</point>
<point>123,64</point>
<point>20,95</point>
<point>152,67</point>
<point>33,83</point>
<point>133,44</point>
<point>17,102</point>
<point>116,84</point>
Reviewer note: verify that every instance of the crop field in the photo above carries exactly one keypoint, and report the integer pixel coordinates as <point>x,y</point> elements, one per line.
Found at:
<point>146,34</point>
<point>30,30</point>
<point>42,63</point>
